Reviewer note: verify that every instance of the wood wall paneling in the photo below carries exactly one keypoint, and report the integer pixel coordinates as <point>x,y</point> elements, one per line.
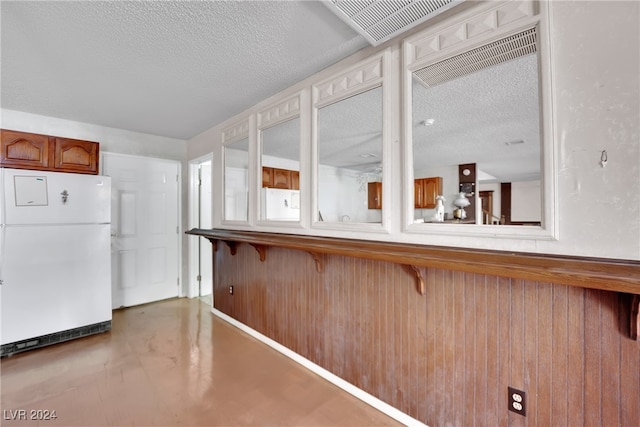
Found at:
<point>448,356</point>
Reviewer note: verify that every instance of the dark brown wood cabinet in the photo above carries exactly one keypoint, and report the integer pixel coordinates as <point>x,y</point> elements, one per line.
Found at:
<point>295,180</point>
<point>72,155</point>
<point>374,195</point>
<point>280,178</point>
<point>23,150</point>
<point>267,177</point>
<point>425,192</point>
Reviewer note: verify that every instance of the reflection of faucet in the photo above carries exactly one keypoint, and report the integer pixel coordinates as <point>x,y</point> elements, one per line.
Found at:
<point>342,218</point>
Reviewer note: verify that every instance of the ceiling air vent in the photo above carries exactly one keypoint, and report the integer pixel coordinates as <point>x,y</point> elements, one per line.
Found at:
<point>380,20</point>
<point>500,51</point>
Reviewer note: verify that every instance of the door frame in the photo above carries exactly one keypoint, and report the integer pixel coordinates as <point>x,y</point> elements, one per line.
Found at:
<point>193,221</point>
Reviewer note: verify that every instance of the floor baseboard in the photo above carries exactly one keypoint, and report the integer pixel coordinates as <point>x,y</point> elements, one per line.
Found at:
<point>332,378</point>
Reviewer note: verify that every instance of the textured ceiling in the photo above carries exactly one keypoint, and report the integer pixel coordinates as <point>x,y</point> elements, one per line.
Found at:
<point>489,117</point>
<point>170,68</point>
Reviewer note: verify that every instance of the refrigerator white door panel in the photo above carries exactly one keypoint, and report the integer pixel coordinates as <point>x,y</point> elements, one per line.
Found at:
<point>55,278</point>
<point>279,204</point>
<point>69,199</point>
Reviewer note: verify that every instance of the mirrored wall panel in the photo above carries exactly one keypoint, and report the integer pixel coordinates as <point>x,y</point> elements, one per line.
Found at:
<point>280,161</point>
<point>477,136</point>
<point>349,145</point>
<point>236,181</point>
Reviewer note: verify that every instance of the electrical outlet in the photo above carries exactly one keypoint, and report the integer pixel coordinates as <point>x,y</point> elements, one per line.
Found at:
<point>517,401</point>
<point>231,290</point>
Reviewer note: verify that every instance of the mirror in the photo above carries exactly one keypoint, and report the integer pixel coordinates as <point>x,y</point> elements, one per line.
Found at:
<point>280,160</point>
<point>349,150</point>
<point>236,181</point>
<point>479,131</point>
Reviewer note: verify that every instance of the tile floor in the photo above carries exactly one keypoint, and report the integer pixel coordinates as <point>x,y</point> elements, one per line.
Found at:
<point>171,363</point>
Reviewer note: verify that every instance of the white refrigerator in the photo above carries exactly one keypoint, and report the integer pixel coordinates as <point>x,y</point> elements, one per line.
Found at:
<point>55,261</point>
<point>280,205</point>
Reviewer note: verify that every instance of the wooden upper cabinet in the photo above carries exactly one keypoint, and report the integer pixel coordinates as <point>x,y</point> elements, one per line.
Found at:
<point>425,192</point>
<point>295,180</point>
<point>22,150</point>
<point>72,155</point>
<point>418,193</point>
<point>267,177</point>
<point>374,195</point>
<point>280,178</point>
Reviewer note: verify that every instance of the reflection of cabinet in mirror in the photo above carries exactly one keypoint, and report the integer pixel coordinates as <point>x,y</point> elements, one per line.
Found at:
<point>486,199</point>
<point>374,195</point>
<point>280,178</point>
<point>425,192</point>
<point>476,101</point>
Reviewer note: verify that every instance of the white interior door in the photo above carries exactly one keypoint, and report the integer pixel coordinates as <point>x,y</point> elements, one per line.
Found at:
<point>144,228</point>
<point>205,221</point>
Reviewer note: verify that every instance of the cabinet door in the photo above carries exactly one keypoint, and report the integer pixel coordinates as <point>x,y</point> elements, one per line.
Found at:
<point>432,187</point>
<point>282,178</point>
<point>375,195</point>
<point>24,150</point>
<point>72,155</point>
<point>267,177</point>
<point>425,192</point>
<point>418,193</point>
<point>295,180</point>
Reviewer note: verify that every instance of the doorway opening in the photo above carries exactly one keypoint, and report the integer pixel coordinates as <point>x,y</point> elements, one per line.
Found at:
<point>200,216</point>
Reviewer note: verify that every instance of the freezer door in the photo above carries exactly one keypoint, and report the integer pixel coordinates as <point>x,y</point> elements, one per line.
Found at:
<point>33,197</point>
<point>281,205</point>
<point>55,278</point>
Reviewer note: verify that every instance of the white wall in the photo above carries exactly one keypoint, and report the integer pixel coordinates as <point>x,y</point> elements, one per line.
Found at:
<point>596,69</point>
<point>525,201</point>
<point>595,62</point>
<point>280,163</point>
<point>342,198</point>
<point>111,139</point>
<point>236,194</point>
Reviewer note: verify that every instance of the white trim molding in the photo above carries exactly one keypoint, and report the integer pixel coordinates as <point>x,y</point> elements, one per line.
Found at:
<point>367,398</point>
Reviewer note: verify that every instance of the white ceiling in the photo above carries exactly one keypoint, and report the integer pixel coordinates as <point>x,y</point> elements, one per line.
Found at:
<point>169,68</point>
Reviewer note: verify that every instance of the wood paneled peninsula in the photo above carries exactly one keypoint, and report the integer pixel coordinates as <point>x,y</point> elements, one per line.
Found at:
<point>594,273</point>
<point>559,328</point>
